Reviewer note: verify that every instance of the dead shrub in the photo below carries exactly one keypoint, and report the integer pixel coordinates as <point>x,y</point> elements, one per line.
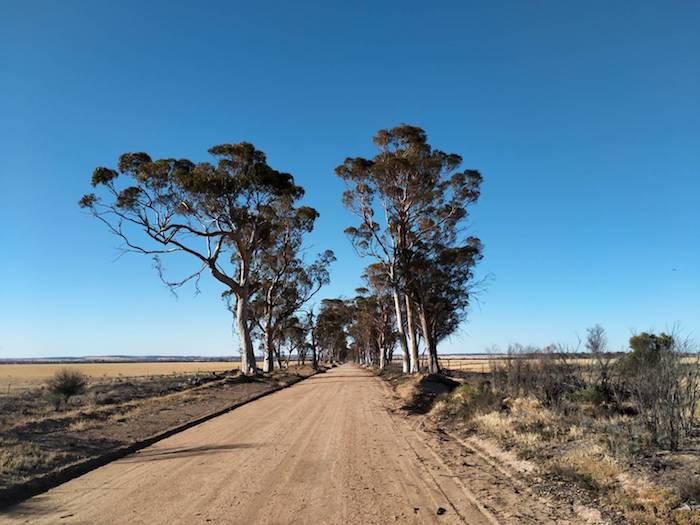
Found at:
<point>624,436</point>
<point>551,375</point>
<point>661,380</point>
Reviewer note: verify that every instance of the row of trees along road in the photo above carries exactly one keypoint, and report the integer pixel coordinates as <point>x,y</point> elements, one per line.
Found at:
<point>240,220</point>
<point>411,201</point>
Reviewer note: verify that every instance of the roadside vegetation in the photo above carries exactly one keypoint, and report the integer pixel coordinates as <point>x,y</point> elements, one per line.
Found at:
<point>65,384</point>
<point>622,428</point>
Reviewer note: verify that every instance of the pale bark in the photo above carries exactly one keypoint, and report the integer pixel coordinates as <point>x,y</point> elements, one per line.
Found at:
<point>402,333</point>
<point>412,337</point>
<point>382,354</point>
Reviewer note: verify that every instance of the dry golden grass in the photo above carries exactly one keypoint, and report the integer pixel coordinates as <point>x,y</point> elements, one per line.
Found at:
<point>17,456</point>
<point>479,364</point>
<point>576,454</point>
<point>469,365</point>
<point>16,376</point>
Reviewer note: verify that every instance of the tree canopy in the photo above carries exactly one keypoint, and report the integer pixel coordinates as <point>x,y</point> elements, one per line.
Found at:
<point>223,213</point>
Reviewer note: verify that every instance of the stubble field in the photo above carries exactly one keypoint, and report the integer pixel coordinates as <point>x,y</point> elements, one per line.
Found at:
<point>27,375</point>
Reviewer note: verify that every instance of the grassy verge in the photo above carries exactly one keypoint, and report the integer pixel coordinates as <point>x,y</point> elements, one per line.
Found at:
<point>580,446</point>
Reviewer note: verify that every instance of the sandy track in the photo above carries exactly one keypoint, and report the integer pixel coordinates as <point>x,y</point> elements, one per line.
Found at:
<point>327,451</point>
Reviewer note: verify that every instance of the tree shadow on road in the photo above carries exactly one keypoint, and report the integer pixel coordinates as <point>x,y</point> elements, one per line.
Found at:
<point>158,454</point>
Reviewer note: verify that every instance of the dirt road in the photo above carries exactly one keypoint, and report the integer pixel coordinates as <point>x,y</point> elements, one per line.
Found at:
<point>325,451</point>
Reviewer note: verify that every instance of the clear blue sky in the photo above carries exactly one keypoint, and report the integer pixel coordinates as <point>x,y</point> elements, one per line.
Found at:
<point>584,118</point>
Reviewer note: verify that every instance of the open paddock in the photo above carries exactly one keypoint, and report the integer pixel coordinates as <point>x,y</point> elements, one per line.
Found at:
<point>27,375</point>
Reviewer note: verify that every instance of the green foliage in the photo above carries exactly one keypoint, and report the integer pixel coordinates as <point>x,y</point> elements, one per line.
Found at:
<point>332,328</point>
<point>235,216</point>
<point>102,176</point>
<point>418,239</point>
<point>648,349</point>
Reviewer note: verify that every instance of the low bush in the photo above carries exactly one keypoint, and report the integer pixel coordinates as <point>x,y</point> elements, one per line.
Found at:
<point>65,384</point>
<point>658,382</point>
<point>661,380</point>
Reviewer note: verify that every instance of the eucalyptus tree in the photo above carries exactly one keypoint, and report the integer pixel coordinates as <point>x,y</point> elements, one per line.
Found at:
<point>409,199</point>
<point>311,326</point>
<point>294,336</point>
<point>284,282</point>
<point>442,286</point>
<point>383,313</point>
<point>331,329</point>
<point>221,214</point>
<point>362,329</point>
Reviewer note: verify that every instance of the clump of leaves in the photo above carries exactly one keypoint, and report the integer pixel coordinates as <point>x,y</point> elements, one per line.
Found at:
<point>65,384</point>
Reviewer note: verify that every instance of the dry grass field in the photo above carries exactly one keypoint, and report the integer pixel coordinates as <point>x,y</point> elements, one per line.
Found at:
<point>467,364</point>
<point>27,375</point>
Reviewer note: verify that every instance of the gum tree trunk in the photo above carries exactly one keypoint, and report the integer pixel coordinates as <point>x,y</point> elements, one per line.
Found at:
<point>268,358</point>
<point>314,353</point>
<point>279,357</point>
<point>412,339</point>
<point>248,366</point>
<point>402,333</point>
<point>433,363</point>
<point>382,353</point>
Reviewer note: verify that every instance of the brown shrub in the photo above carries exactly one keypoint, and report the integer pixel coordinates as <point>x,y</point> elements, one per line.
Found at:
<point>65,384</point>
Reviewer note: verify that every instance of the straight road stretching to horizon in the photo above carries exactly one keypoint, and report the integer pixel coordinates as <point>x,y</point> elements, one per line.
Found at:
<point>328,450</point>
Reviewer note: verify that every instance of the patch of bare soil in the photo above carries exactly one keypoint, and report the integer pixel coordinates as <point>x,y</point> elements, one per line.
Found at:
<point>38,445</point>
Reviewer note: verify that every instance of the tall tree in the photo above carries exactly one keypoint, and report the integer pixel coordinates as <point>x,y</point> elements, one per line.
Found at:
<point>411,199</point>
<point>220,214</point>
<point>331,329</point>
<point>441,285</point>
<point>310,325</point>
<point>383,315</point>
<point>284,282</point>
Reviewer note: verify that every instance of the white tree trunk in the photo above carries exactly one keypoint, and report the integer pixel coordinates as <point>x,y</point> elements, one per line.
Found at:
<point>412,336</point>
<point>402,333</point>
